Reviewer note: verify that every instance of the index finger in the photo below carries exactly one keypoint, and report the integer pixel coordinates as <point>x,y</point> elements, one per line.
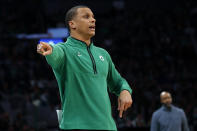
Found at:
<point>43,43</point>
<point>39,46</point>
<point>121,109</point>
<point>120,113</point>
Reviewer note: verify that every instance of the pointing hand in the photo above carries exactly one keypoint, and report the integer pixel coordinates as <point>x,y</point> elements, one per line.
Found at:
<point>44,49</point>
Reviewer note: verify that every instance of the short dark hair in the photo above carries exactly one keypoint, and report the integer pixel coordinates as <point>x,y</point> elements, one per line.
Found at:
<point>71,13</point>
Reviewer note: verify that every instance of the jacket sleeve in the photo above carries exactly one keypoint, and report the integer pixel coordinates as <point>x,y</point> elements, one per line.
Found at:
<point>154,123</point>
<point>57,57</point>
<point>114,80</point>
<point>184,122</point>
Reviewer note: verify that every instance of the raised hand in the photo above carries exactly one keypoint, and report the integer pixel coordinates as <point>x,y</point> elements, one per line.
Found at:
<point>44,48</point>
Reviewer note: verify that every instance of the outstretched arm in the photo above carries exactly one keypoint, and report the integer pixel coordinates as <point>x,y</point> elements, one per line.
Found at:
<point>53,53</point>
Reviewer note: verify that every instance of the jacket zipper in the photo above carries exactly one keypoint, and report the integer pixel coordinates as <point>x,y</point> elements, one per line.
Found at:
<point>92,59</point>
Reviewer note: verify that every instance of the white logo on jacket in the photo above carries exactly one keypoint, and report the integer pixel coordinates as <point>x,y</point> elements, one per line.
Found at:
<point>101,57</point>
<point>79,54</point>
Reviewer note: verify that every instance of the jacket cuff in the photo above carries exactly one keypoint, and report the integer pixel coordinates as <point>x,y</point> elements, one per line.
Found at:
<point>126,87</point>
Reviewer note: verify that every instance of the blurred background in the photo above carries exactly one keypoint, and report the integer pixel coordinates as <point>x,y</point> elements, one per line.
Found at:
<point>153,44</point>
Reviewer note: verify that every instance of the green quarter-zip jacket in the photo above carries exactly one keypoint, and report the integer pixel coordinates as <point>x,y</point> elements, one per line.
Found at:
<point>83,74</point>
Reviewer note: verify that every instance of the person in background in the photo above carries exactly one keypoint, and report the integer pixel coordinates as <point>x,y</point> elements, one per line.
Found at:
<point>168,117</point>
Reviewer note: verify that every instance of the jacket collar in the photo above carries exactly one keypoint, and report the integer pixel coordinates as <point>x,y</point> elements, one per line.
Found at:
<point>78,43</point>
<point>164,107</point>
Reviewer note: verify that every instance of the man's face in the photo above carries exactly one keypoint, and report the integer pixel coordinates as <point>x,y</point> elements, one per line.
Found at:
<point>166,99</point>
<point>84,22</point>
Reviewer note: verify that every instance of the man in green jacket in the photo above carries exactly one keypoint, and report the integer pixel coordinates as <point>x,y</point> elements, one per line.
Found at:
<point>83,72</point>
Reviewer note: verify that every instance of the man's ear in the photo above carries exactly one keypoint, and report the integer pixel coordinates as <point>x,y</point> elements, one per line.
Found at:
<point>72,24</point>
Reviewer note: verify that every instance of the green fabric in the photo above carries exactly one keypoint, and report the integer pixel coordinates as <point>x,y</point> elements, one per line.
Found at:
<point>84,95</point>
